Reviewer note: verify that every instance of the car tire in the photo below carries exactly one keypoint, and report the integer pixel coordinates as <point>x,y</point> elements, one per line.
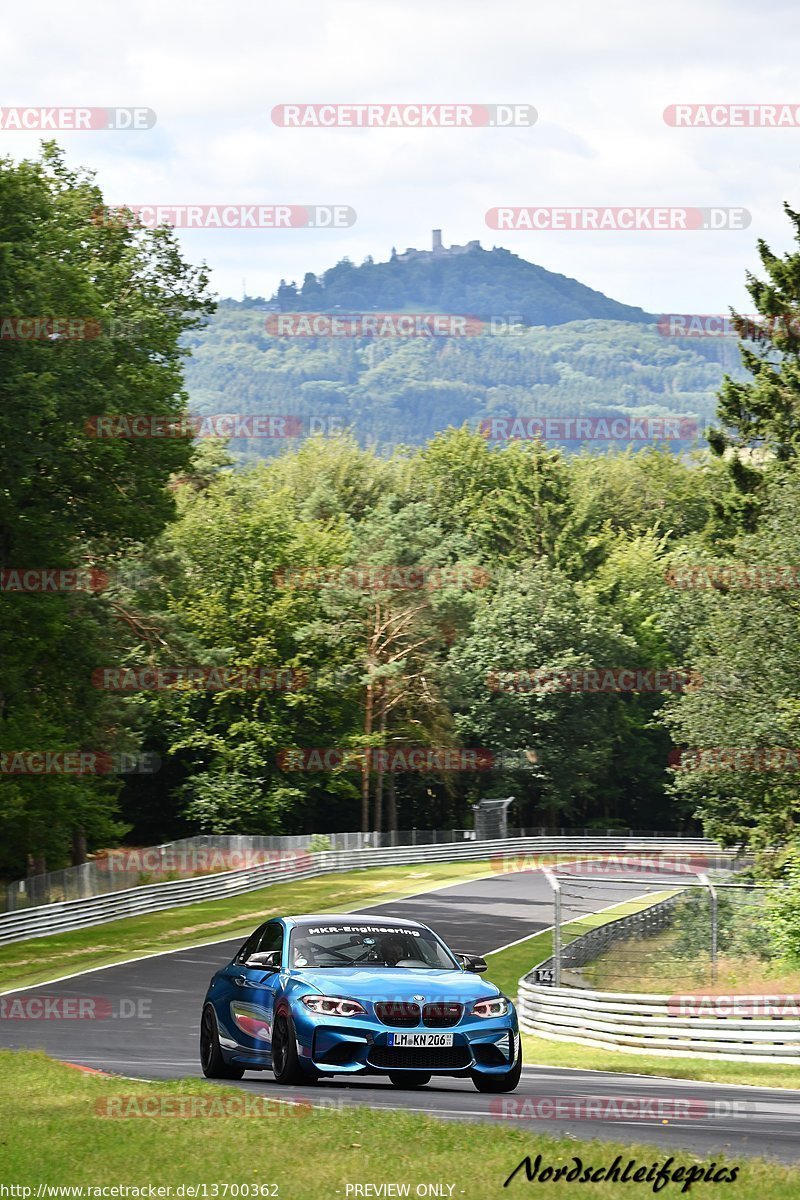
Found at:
<point>286,1065</point>
<point>499,1083</point>
<point>409,1079</point>
<point>211,1060</point>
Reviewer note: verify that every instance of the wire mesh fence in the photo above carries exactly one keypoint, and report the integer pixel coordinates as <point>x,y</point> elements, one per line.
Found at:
<point>185,858</point>
<point>661,930</point>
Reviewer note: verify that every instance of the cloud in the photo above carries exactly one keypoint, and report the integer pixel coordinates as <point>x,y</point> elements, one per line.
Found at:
<point>600,78</point>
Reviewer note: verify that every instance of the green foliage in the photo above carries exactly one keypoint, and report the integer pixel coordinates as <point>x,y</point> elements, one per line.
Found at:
<point>403,391</point>
<point>567,557</point>
<point>743,639</point>
<point>744,926</point>
<point>70,500</point>
<point>783,912</point>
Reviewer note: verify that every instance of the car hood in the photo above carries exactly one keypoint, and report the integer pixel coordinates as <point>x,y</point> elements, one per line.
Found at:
<point>396,983</point>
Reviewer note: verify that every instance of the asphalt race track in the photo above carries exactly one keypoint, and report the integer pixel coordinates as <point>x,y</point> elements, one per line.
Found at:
<point>163,994</point>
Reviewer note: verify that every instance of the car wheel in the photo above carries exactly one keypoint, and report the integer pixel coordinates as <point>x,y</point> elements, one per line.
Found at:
<point>409,1079</point>
<point>286,1066</point>
<point>499,1083</point>
<point>211,1060</point>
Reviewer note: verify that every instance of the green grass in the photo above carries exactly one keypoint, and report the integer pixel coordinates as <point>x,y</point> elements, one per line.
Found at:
<point>543,1052</point>
<point>506,967</point>
<point>52,1131</point>
<point>38,959</point>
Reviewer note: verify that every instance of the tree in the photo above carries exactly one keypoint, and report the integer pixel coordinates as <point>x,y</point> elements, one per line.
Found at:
<point>513,505</point>
<point>396,607</point>
<point>760,415</point>
<point>311,291</point>
<point>745,715</point>
<point>231,602</point>
<point>536,621</point>
<point>69,499</point>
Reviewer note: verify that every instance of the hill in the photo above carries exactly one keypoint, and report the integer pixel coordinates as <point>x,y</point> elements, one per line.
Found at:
<point>404,390</point>
<point>456,279</point>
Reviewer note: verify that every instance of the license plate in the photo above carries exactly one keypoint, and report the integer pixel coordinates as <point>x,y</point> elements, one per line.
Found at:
<point>414,1040</point>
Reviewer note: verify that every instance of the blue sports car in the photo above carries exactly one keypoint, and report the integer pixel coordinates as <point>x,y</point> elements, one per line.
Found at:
<point>350,995</point>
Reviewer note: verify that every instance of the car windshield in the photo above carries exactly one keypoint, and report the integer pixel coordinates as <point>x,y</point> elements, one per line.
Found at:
<point>354,945</point>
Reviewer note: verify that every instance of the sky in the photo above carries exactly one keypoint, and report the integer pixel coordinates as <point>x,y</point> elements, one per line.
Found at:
<point>599,77</point>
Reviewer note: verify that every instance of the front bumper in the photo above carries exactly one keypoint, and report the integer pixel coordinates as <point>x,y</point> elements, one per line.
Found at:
<point>355,1045</point>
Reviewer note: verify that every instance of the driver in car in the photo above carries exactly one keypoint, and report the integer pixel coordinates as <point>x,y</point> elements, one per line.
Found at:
<point>393,950</point>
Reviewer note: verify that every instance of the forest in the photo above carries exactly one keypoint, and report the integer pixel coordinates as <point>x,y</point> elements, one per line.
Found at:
<point>611,638</point>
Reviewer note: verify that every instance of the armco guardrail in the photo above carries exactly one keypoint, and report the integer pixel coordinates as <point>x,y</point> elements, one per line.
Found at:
<point>77,914</point>
<point>211,853</point>
<point>731,1028</point>
<point>587,946</point>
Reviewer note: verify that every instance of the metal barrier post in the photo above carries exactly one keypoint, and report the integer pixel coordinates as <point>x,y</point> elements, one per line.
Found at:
<point>556,886</point>
<point>712,899</point>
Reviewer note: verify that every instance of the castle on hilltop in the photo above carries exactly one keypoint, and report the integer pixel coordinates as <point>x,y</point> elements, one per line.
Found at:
<point>437,250</point>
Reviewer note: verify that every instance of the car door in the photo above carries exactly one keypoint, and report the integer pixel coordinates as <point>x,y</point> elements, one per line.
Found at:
<point>254,989</point>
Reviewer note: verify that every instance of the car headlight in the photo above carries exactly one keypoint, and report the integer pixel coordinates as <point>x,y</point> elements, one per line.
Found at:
<point>334,1006</point>
<point>499,1007</point>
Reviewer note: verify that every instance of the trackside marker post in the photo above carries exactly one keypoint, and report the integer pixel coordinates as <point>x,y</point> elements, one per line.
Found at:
<point>556,886</point>
<point>712,896</point>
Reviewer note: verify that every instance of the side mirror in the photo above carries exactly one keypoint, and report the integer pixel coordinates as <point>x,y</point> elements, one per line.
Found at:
<point>472,962</point>
<point>268,961</point>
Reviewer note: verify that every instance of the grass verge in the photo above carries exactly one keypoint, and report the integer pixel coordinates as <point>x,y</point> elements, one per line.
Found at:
<point>543,1052</point>
<point>38,959</point>
<point>55,1132</point>
<point>506,968</point>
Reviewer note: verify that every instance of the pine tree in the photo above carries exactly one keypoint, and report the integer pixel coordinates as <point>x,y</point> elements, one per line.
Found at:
<point>763,413</point>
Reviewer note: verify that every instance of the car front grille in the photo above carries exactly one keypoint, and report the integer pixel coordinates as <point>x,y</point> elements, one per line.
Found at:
<point>440,1016</point>
<point>397,1012</point>
<point>438,1058</point>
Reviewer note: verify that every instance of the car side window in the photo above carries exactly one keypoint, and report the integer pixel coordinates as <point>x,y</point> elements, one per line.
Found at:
<point>272,938</point>
<point>251,945</point>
